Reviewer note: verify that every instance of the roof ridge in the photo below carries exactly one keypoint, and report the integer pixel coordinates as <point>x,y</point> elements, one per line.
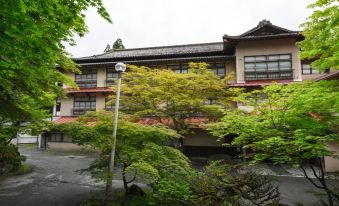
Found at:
<point>263,23</point>
<point>156,47</point>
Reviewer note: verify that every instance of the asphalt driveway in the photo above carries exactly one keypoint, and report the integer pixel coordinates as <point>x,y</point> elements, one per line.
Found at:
<point>55,181</point>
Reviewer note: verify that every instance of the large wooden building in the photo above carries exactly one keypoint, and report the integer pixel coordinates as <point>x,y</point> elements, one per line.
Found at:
<point>264,54</point>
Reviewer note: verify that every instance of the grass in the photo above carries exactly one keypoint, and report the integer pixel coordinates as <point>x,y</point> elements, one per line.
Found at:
<point>23,169</point>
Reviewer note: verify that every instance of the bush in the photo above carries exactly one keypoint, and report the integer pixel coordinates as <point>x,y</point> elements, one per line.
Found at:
<point>171,192</point>
<point>10,159</point>
<point>237,185</point>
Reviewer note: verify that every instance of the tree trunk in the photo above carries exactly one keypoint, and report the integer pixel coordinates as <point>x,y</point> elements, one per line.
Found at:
<point>320,176</point>
<point>124,178</point>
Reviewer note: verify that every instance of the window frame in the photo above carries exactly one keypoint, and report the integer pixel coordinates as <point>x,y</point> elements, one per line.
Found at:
<point>82,79</point>
<point>264,71</point>
<point>311,69</point>
<point>213,66</point>
<point>109,107</point>
<point>181,67</point>
<point>110,81</point>
<point>79,110</point>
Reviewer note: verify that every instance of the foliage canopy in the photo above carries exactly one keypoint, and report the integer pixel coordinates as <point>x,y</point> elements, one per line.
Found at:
<point>321,31</point>
<point>33,54</point>
<point>164,94</point>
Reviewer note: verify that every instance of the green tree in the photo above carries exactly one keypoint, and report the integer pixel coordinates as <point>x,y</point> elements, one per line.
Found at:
<point>321,31</point>
<point>165,94</point>
<point>108,48</point>
<point>118,45</point>
<point>236,185</point>
<point>288,124</point>
<point>33,57</point>
<point>143,152</point>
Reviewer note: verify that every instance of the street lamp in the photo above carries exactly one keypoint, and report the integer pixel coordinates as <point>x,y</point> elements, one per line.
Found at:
<point>119,67</point>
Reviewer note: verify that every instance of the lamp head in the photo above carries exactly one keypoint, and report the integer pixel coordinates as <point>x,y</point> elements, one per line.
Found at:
<point>120,67</point>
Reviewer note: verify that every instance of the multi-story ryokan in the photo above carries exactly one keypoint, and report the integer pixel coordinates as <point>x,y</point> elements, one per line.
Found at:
<point>257,57</point>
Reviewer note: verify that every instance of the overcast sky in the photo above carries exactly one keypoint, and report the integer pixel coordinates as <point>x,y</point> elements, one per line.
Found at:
<point>145,23</point>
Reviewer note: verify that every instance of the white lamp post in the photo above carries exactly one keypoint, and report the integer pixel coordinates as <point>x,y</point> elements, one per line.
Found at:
<point>119,67</point>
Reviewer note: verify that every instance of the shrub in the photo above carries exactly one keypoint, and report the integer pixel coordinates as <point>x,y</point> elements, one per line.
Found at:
<point>10,159</point>
<point>236,185</point>
<point>171,192</point>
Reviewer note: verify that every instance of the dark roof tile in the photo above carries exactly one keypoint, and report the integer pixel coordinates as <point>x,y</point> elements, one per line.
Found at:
<point>159,51</point>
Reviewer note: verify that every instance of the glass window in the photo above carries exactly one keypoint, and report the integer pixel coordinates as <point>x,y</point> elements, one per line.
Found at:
<point>249,59</point>
<point>260,58</point>
<point>273,66</point>
<point>285,65</point>
<point>179,68</point>
<point>273,57</point>
<point>87,78</point>
<point>260,67</point>
<point>109,104</point>
<point>249,67</point>
<point>285,56</point>
<point>111,75</point>
<point>83,104</point>
<point>55,137</point>
<point>268,67</point>
<point>307,69</point>
<point>218,68</point>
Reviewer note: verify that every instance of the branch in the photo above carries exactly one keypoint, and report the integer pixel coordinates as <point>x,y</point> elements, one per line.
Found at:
<point>134,177</point>
<point>309,179</point>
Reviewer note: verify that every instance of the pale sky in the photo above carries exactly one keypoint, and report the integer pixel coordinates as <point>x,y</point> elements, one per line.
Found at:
<point>145,23</point>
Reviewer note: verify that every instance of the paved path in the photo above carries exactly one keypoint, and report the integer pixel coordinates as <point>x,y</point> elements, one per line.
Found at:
<point>56,182</point>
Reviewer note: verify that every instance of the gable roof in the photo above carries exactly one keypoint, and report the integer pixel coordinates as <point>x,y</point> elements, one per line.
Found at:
<point>266,27</point>
<point>264,30</point>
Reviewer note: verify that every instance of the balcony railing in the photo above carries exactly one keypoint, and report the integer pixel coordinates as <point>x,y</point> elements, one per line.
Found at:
<point>269,75</point>
<point>77,111</point>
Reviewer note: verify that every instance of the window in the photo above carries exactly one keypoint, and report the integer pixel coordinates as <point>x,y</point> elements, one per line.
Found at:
<point>268,67</point>
<point>218,68</point>
<point>58,137</point>
<point>55,137</point>
<point>111,75</point>
<point>307,69</point>
<point>58,106</point>
<point>179,68</point>
<point>109,104</point>
<point>83,104</point>
<point>87,79</point>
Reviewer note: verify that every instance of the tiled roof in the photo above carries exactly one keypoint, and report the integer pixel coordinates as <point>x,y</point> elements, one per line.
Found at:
<point>150,61</point>
<point>260,83</point>
<point>262,24</point>
<point>65,119</point>
<point>193,122</point>
<point>259,37</point>
<point>85,90</point>
<point>331,76</point>
<point>203,48</point>
<point>264,30</point>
